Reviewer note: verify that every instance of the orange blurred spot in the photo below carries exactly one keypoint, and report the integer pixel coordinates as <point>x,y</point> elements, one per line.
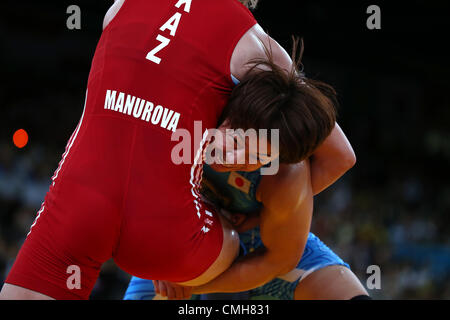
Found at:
<point>20,138</point>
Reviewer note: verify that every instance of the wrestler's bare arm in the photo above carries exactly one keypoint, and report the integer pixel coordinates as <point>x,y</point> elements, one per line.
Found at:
<point>331,160</point>
<point>335,156</point>
<point>285,223</point>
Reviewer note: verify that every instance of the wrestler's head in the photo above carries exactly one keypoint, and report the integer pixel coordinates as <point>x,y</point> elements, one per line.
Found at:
<point>303,110</point>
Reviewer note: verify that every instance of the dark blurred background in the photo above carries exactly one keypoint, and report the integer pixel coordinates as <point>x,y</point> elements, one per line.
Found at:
<point>391,210</point>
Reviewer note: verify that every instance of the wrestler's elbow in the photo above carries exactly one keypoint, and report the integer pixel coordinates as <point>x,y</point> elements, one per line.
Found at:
<point>287,263</point>
<point>290,267</point>
<point>349,159</point>
<point>346,159</point>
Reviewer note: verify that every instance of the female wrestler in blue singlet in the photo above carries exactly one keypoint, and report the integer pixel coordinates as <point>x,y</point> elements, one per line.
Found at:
<point>276,210</point>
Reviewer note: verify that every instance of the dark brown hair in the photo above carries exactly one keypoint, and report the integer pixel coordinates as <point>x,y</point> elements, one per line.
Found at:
<point>269,97</point>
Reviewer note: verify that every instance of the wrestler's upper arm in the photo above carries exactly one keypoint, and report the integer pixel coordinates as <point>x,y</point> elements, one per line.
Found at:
<point>251,46</point>
<point>286,215</point>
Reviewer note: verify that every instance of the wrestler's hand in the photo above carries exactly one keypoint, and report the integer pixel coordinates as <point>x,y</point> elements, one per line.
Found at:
<point>172,290</point>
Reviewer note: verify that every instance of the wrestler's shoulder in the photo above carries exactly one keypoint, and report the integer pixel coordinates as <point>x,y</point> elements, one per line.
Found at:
<point>252,46</point>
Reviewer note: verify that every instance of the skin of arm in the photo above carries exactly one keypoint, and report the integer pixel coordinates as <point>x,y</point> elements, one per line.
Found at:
<point>285,222</point>
<point>331,160</point>
<point>335,156</point>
